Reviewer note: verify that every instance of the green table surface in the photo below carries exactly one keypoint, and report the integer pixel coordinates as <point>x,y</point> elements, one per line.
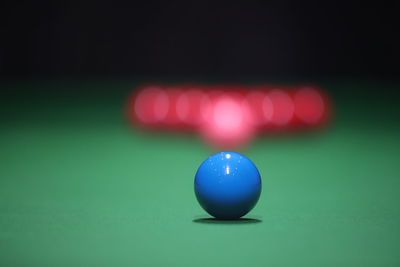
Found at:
<point>80,187</point>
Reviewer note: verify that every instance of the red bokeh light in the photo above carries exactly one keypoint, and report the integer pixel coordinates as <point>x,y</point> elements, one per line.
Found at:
<point>283,108</point>
<point>226,122</point>
<point>229,116</point>
<point>151,105</point>
<point>309,106</point>
<point>189,106</point>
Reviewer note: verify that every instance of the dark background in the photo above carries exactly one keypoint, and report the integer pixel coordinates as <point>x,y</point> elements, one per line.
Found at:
<point>198,39</point>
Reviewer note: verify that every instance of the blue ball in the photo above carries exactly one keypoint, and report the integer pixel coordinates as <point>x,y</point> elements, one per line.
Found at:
<point>227,185</point>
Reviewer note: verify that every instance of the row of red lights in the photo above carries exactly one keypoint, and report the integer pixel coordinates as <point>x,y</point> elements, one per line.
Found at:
<point>229,114</point>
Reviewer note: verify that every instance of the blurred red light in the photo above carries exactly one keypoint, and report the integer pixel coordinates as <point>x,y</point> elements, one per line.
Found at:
<point>283,107</point>
<point>309,105</point>
<point>226,124</point>
<point>151,105</point>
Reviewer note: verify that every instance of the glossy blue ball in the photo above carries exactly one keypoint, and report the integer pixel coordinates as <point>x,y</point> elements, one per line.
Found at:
<point>227,185</point>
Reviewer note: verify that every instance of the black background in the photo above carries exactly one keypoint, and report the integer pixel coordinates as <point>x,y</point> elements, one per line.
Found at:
<point>198,38</point>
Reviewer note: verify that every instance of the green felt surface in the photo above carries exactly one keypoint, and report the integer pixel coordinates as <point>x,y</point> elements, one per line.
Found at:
<point>79,187</point>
